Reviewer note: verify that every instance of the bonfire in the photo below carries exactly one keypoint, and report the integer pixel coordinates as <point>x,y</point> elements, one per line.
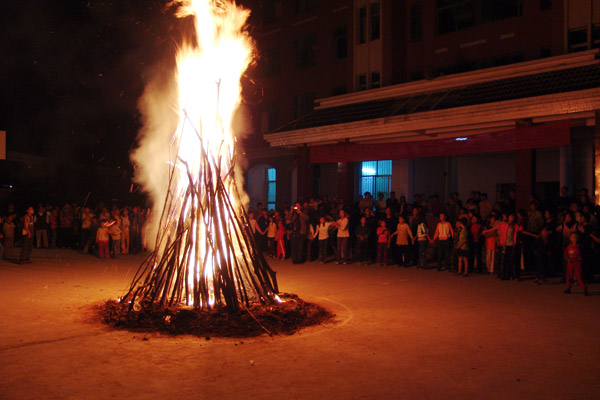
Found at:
<point>205,258</point>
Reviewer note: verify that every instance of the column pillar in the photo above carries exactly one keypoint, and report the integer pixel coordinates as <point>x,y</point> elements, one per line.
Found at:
<point>597,158</point>
<point>304,179</point>
<point>346,181</point>
<point>524,177</point>
<point>566,168</point>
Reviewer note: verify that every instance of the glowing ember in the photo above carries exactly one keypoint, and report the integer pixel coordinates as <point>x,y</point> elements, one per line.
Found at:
<point>204,254</point>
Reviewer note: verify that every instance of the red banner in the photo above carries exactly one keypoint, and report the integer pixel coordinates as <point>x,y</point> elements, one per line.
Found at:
<point>530,137</point>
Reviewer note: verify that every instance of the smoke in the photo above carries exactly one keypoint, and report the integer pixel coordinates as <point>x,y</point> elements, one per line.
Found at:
<point>158,107</point>
<point>202,88</point>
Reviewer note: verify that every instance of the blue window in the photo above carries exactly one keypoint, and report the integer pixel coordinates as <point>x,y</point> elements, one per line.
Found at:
<point>271,188</point>
<point>376,177</point>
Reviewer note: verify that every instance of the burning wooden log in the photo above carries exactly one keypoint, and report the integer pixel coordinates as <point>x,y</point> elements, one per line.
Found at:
<point>205,255</point>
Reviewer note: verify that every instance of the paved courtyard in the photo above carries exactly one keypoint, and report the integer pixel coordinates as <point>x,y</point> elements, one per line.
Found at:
<point>399,334</point>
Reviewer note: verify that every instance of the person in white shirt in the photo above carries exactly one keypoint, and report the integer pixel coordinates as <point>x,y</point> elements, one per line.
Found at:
<point>323,237</point>
<point>443,235</point>
<point>343,239</point>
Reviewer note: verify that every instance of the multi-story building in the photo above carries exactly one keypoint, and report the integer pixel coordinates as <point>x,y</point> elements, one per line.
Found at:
<point>426,97</point>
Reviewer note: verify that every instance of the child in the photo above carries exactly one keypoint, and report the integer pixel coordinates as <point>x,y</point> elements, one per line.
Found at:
<point>102,240</point>
<point>323,237</point>
<point>280,238</point>
<point>115,236</point>
<point>573,257</point>
<point>422,238</point>
<point>8,231</point>
<point>490,235</point>
<point>403,233</point>
<point>383,240</point>
<point>271,234</point>
<point>362,240</point>
<point>462,246</point>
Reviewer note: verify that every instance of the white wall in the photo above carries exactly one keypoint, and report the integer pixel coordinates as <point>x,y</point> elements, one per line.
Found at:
<point>582,144</point>
<point>402,178</point>
<point>428,176</point>
<point>473,172</point>
<point>483,172</point>
<point>548,165</point>
<point>257,185</point>
<point>328,185</point>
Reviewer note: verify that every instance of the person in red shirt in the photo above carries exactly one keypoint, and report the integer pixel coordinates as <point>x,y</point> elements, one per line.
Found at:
<point>573,257</point>
<point>280,239</point>
<point>477,246</point>
<point>383,240</point>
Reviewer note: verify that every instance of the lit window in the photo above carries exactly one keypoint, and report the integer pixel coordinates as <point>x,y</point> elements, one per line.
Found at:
<point>271,188</point>
<point>376,177</point>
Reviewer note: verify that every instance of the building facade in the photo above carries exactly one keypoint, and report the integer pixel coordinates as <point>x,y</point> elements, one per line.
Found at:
<point>457,95</point>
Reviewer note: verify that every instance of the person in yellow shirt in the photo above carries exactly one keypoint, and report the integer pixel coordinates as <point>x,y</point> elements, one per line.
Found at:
<point>403,233</point>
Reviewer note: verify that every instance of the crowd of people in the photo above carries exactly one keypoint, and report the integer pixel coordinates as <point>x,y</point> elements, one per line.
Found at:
<point>459,236</point>
<point>104,231</point>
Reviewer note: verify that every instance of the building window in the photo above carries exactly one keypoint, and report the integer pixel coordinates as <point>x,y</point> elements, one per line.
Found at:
<point>362,82</point>
<point>271,188</point>
<point>272,10</point>
<point>375,79</point>
<point>454,15</point>
<point>304,5</point>
<point>361,30</point>
<point>416,22</point>
<point>306,52</point>
<point>375,21</point>
<point>496,10</point>
<point>545,5</point>
<point>578,39</point>
<point>303,104</point>
<point>272,59</point>
<point>339,90</point>
<point>596,35</point>
<point>340,42</point>
<point>376,177</point>
<point>545,51</point>
<point>270,116</point>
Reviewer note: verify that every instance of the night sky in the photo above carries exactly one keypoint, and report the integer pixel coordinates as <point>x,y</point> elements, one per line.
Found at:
<point>72,71</point>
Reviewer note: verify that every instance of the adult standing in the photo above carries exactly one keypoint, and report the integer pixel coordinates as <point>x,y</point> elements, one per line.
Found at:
<point>41,227</point>
<point>27,242</point>
<point>343,238</point>
<point>485,207</point>
<point>299,220</point>
<point>53,223</point>
<point>413,222</point>
<point>66,226</point>
<point>362,233</point>
<point>323,237</point>
<point>86,226</point>
<point>443,234</point>
<point>8,231</point>
<point>403,233</point>
<point>125,224</point>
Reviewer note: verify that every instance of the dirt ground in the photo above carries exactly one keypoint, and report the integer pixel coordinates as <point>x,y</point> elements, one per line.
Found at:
<point>399,334</point>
